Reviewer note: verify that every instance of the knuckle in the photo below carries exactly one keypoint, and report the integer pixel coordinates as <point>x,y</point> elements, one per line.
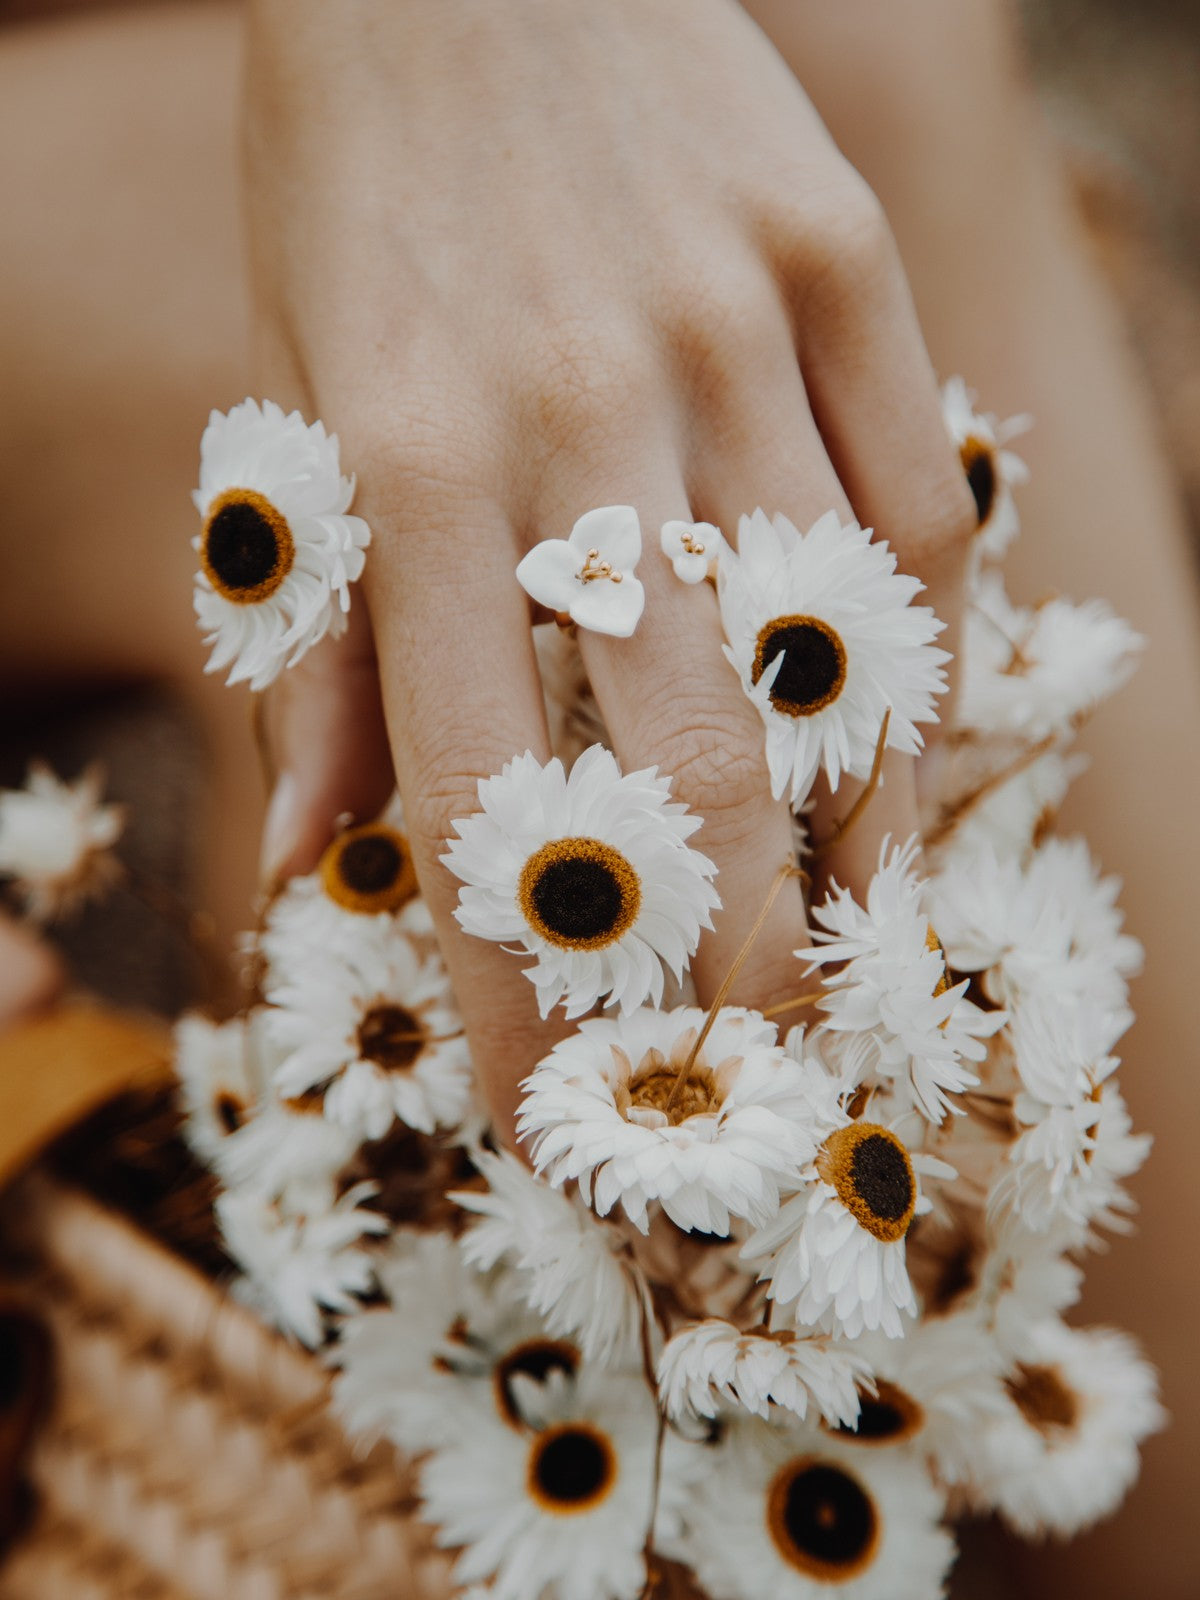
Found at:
<point>590,381</point>
<point>940,525</point>
<point>723,327</point>
<point>447,793</point>
<point>718,770</point>
<point>846,249</point>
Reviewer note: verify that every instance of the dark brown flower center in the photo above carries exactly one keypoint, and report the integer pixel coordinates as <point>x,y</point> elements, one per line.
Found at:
<point>579,894</point>
<point>885,1417</point>
<point>873,1176</point>
<point>246,548</point>
<point>1043,1398</point>
<point>979,464</point>
<point>571,1468</point>
<point>535,1359</point>
<point>369,869</point>
<point>391,1036</point>
<point>813,671</point>
<point>822,1520</point>
<point>230,1111</point>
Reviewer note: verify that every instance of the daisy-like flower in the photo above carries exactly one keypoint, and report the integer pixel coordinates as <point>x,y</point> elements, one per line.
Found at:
<point>590,873</point>
<point>287,1151</point>
<point>623,1108</point>
<point>1015,816</point>
<point>56,841</point>
<point>445,1347</point>
<point>692,549</point>
<point>836,1248</point>
<point>930,1391</point>
<point>826,640</point>
<point>559,1506</point>
<point>710,1366</point>
<point>297,1268</point>
<point>1064,1452</point>
<point>1035,673</point>
<point>365,884</point>
<point>589,576</point>
<point>793,1514</point>
<point>224,1070</point>
<point>378,1034</point>
<point>992,471</point>
<point>1048,930</point>
<point>891,986</point>
<point>278,551</point>
<point>570,1267</point>
<point>1023,1279</point>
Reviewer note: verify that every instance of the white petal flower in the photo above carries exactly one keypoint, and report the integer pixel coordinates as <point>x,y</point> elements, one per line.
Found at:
<point>569,1265</point>
<point>1065,1450</point>
<point>589,576</point>
<point>622,1108</point>
<point>709,1366</point>
<point>289,1152</point>
<point>836,1249</point>
<point>365,885</point>
<point>590,874</point>
<point>378,1034</point>
<point>445,1347</point>
<point>1075,1147</point>
<point>992,471</point>
<point>892,988</point>
<point>56,841</point>
<point>224,1071</point>
<point>278,551</point>
<point>794,1515</point>
<point>930,1391</point>
<point>823,632</point>
<point>561,1506</point>
<point>297,1268</point>
<point>1049,930</point>
<point>692,548</point>
<point>1015,815</point>
<point>1037,672</point>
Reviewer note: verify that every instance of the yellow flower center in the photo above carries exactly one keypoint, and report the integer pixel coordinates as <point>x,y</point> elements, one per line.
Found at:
<point>391,1036</point>
<point>822,1520</point>
<point>979,463</point>
<point>813,672</point>
<point>1043,1397</point>
<point>579,894</point>
<point>871,1171</point>
<point>369,869</point>
<point>246,547</point>
<point>888,1416</point>
<point>535,1358</point>
<point>572,1468</point>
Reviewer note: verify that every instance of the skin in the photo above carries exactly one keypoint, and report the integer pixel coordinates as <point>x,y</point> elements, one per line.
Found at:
<point>109,374</point>
<point>652,303</point>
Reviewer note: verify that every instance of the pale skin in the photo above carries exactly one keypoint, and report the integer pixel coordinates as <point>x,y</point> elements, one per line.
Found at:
<point>483,409</point>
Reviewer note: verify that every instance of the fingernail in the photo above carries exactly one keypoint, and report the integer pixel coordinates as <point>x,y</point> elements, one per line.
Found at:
<point>280,828</point>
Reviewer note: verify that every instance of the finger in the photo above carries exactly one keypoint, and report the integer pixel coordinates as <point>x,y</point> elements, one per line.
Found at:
<point>877,404</point>
<point>327,742</point>
<point>671,701</point>
<point>462,697</point>
<point>878,407</point>
<point>761,446</point>
<point>31,974</point>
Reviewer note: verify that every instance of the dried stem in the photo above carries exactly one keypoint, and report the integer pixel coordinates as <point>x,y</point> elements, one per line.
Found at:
<point>963,808</point>
<point>854,815</point>
<point>722,993</point>
<point>794,1003</point>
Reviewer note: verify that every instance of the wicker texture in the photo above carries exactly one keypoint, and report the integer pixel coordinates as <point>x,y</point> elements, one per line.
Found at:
<point>190,1453</point>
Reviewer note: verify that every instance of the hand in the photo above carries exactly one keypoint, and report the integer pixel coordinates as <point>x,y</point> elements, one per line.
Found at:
<point>528,258</point>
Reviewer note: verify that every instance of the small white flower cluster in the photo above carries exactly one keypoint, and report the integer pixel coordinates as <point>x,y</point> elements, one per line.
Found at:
<point>773,1306</point>
<point>357,1040</point>
<point>56,842</point>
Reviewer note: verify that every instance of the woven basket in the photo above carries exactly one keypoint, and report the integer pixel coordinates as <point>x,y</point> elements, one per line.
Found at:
<point>185,1452</point>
